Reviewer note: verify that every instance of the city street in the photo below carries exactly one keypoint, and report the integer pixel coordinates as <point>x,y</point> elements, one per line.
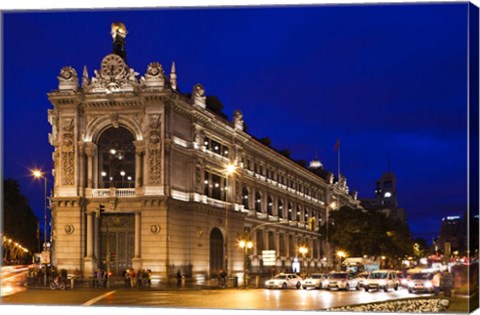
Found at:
<point>250,299</point>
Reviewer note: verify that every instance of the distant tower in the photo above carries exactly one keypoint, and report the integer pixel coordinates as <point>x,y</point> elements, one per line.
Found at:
<point>386,191</point>
<point>119,32</point>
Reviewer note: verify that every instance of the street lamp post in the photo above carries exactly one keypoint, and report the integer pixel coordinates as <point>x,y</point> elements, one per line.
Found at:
<point>39,174</point>
<point>303,250</point>
<point>341,254</point>
<point>230,170</point>
<point>246,244</point>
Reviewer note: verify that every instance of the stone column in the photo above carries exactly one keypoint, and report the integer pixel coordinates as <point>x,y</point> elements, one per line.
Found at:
<point>137,234</point>
<point>139,153</point>
<point>90,234</point>
<point>81,158</point>
<point>90,150</point>
<point>137,260</point>
<point>89,261</point>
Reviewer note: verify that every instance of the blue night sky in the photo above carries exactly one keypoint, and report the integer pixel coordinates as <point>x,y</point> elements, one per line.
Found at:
<point>389,80</point>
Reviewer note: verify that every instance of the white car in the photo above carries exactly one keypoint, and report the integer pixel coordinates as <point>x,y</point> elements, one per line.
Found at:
<point>284,281</point>
<point>381,279</point>
<point>341,281</point>
<point>421,282</point>
<point>314,280</point>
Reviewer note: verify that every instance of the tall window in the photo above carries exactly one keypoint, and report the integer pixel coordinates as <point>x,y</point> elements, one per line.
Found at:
<point>245,197</point>
<point>271,241</point>
<point>258,202</point>
<point>291,247</point>
<point>215,147</point>
<point>116,155</point>
<point>260,245</point>
<point>282,244</point>
<point>290,212</point>
<point>270,205</point>
<point>280,209</point>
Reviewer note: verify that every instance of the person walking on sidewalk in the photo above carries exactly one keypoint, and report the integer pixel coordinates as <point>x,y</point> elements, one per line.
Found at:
<point>447,283</point>
<point>436,282</point>
<point>179,279</point>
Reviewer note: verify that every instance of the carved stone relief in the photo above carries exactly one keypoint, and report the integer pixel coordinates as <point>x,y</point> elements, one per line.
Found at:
<point>68,152</point>
<point>68,79</point>
<point>154,150</point>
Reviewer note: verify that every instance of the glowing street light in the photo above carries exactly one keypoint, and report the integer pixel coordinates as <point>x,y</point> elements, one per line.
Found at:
<point>39,174</point>
<point>303,250</point>
<point>341,254</point>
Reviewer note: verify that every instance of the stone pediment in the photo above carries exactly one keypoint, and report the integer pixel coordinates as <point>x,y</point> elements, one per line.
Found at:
<point>114,76</point>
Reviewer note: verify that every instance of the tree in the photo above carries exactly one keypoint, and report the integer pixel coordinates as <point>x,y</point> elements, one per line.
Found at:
<point>19,222</point>
<point>371,233</point>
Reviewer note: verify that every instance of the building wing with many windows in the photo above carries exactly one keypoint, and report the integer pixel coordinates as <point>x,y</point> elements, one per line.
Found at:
<point>154,160</point>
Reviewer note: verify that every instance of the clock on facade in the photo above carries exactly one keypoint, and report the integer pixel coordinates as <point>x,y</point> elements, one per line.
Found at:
<point>112,65</point>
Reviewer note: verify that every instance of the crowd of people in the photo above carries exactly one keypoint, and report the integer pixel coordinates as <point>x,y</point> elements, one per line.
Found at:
<point>137,279</point>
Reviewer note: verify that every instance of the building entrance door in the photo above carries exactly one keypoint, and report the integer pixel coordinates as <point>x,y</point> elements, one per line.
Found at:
<point>216,252</point>
<point>117,238</point>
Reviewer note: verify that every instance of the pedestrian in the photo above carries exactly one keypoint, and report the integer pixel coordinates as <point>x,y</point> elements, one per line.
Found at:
<point>149,278</point>
<point>179,279</point>
<point>436,283</point>
<point>139,278</point>
<point>223,277</point>
<point>132,278</point>
<point>126,278</point>
<point>447,283</point>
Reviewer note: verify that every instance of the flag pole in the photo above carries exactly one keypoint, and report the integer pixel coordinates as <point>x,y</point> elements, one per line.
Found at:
<point>338,151</point>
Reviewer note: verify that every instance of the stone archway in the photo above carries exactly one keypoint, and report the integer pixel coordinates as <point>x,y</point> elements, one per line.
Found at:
<point>216,252</point>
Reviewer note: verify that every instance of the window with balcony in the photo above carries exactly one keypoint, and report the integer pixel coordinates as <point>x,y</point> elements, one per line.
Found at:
<point>116,158</point>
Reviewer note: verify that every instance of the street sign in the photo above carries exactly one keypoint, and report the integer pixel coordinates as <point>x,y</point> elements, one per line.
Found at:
<point>268,257</point>
<point>45,257</point>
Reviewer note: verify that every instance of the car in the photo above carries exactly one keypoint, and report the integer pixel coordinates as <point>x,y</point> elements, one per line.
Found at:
<point>421,282</point>
<point>361,278</point>
<point>381,279</point>
<point>315,280</point>
<point>284,281</point>
<point>341,280</point>
<point>402,278</point>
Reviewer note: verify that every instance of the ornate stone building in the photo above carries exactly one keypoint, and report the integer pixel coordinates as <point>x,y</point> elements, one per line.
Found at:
<point>139,173</point>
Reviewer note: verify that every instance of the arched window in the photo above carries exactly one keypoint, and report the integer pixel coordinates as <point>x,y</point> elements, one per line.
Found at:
<point>269,205</point>
<point>245,197</point>
<point>299,213</point>
<point>258,202</point>
<point>116,158</point>
<point>290,210</point>
<point>280,209</point>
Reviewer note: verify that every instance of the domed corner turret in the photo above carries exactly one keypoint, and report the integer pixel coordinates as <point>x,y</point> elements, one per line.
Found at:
<point>315,163</point>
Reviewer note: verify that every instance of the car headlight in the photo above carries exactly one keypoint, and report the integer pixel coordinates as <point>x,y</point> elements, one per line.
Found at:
<point>428,284</point>
<point>382,282</point>
<point>404,281</point>
<point>411,284</point>
<point>326,282</point>
<point>365,282</point>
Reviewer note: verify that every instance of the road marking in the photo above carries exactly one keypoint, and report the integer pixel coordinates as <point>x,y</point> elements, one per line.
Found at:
<point>98,298</point>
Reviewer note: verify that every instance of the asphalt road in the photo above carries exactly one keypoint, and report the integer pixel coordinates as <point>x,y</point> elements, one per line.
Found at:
<point>233,299</point>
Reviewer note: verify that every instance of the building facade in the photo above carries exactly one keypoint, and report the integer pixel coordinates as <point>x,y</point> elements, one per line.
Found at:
<point>140,180</point>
